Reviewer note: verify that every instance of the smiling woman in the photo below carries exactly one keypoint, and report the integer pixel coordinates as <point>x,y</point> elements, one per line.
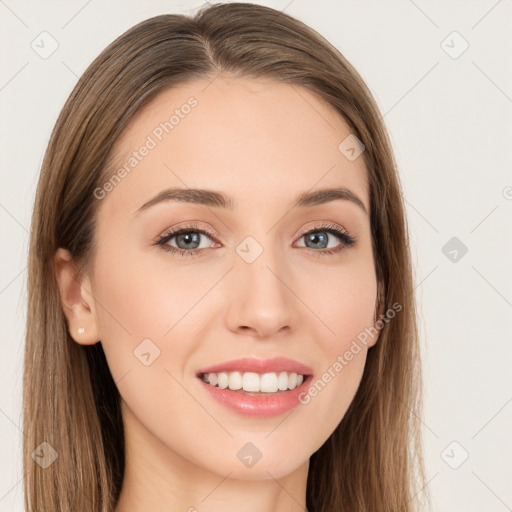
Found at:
<point>230,323</point>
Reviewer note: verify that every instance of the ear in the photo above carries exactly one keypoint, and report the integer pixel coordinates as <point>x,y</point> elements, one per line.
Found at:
<point>77,302</point>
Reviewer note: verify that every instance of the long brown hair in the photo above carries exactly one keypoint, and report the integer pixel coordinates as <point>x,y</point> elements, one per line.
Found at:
<point>372,461</point>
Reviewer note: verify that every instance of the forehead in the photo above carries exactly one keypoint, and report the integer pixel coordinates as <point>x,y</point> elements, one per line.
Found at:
<point>251,138</point>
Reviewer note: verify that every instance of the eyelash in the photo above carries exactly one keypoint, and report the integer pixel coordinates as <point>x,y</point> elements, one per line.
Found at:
<point>345,239</point>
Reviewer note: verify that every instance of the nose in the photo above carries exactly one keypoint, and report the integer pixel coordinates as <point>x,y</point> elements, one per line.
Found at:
<point>261,300</point>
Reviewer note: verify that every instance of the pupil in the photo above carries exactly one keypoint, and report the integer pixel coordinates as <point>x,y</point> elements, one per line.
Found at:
<point>316,238</point>
<point>189,238</point>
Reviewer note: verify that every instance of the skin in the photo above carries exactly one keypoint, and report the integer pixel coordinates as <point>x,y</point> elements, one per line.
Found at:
<point>263,143</point>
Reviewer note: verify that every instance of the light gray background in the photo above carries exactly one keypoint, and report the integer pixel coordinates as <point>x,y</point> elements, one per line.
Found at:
<point>450,124</point>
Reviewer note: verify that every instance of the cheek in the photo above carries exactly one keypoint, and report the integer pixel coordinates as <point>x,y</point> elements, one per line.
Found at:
<point>151,320</point>
<point>343,301</point>
<point>132,310</point>
<point>136,301</point>
<point>345,308</point>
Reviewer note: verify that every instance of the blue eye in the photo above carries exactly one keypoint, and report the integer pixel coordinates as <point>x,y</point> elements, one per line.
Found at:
<point>188,240</point>
<point>188,235</point>
<point>319,239</point>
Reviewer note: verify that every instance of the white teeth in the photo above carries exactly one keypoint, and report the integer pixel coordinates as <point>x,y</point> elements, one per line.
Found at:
<point>235,381</point>
<point>251,381</point>
<point>255,382</point>
<point>268,383</point>
<point>282,381</point>
<point>223,380</point>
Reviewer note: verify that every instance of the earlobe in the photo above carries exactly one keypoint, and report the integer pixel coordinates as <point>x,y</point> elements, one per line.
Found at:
<point>76,300</point>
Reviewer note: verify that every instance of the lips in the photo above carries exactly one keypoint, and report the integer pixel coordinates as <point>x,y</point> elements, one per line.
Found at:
<point>276,364</point>
<point>259,404</point>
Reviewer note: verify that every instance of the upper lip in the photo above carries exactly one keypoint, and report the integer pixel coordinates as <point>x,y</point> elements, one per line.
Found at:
<point>276,364</point>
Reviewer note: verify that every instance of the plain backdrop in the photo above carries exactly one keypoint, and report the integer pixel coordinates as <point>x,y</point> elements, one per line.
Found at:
<point>440,72</point>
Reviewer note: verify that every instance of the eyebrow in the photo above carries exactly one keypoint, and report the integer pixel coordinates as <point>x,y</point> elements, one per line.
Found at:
<point>221,200</point>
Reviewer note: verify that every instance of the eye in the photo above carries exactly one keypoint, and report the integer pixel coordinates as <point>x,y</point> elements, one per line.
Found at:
<point>187,239</point>
<point>323,237</point>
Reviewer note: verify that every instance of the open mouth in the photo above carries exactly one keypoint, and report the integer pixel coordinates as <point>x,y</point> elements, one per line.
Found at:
<point>261,388</point>
<point>255,384</point>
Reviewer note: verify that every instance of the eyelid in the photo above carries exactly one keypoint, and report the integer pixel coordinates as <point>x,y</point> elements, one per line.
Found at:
<point>190,226</point>
<point>346,239</point>
<point>324,225</point>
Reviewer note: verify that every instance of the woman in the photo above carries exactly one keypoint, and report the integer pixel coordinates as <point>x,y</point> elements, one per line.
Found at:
<point>271,365</point>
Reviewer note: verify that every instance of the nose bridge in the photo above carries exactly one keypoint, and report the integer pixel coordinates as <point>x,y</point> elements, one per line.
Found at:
<point>262,300</point>
<point>260,265</point>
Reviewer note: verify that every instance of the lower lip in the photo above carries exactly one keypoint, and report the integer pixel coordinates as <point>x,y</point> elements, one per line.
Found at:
<point>264,406</point>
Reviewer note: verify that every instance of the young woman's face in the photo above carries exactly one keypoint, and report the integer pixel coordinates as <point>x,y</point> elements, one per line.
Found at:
<point>256,278</point>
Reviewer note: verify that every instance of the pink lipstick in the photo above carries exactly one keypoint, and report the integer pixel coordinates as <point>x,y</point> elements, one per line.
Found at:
<point>257,387</point>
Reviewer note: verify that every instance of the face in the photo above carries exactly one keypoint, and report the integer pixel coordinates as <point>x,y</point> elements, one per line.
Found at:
<point>257,278</point>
